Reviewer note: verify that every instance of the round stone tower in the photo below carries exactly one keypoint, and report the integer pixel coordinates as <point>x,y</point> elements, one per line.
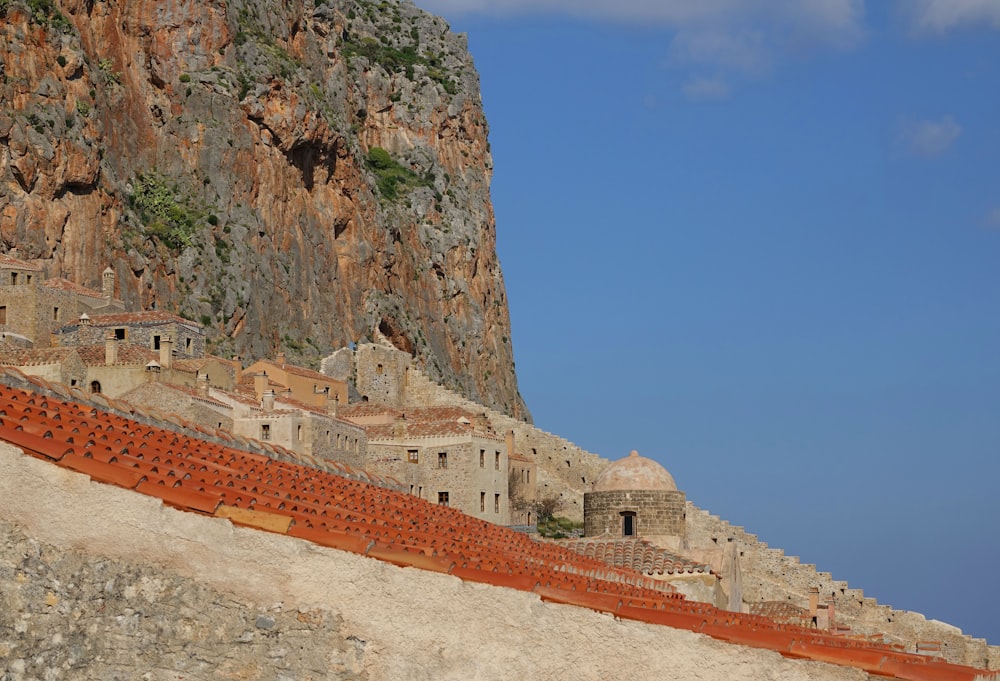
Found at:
<point>636,497</point>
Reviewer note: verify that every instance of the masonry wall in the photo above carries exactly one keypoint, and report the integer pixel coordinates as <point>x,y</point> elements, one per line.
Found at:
<point>175,594</point>
<point>188,342</point>
<point>768,574</point>
<point>657,513</point>
<point>471,488</point>
<point>31,310</point>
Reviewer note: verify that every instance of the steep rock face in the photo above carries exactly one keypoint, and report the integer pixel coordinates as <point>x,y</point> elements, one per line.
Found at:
<point>293,175</point>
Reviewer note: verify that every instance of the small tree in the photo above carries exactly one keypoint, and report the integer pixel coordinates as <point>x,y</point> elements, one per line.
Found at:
<point>546,507</point>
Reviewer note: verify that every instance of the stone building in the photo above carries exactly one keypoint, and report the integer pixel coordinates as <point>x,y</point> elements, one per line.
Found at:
<point>299,383</point>
<point>523,488</point>
<point>636,497</point>
<point>442,454</point>
<point>149,329</point>
<point>32,307</point>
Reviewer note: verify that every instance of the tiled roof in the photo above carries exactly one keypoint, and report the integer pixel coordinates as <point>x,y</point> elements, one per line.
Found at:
<point>147,318</point>
<point>22,357</point>
<point>71,286</point>
<point>10,261</point>
<point>128,354</point>
<point>635,554</point>
<point>780,611</point>
<point>300,371</point>
<point>207,478</point>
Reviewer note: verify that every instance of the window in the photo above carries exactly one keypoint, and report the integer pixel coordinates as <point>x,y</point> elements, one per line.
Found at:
<point>442,459</point>
<point>420,491</point>
<point>95,386</point>
<point>3,314</point>
<point>55,314</point>
<point>496,503</point>
<point>187,345</point>
<point>413,456</point>
<point>298,432</point>
<point>13,278</point>
<point>29,278</point>
<point>156,342</point>
<point>628,524</point>
<point>265,431</point>
<point>119,334</point>
<point>482,458</point>
<point>379,369</point>
<point>443,498</point>
<point>496,462</point>
<point>482,501</point>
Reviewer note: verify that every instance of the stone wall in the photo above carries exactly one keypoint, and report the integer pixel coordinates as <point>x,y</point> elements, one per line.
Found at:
<point>657,513</point>
<point>154,593</point>
<point>471,487</point>
<point>768,574</point>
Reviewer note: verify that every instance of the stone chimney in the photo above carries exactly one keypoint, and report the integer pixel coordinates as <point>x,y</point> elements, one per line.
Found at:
<point>509,440</point>
<point>108,283</point>
<point>84,319</point>
<point>480,422</point>
<point>238,369</point>
<point>332,404</point>
<point>203,384</point>
<point>167,352</point>
<point>813,600</point>
<point>260,384</point>
<point>110,349</point>
<point>267,401</point>
<point>399,427</point>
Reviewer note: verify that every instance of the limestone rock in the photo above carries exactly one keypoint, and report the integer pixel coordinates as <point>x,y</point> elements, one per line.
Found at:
<point>293,175</point>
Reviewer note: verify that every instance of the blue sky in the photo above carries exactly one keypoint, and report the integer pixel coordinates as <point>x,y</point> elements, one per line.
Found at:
<point>757,240</point>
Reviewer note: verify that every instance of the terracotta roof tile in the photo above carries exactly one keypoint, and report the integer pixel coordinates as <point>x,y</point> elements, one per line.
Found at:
<point>10,261</point>
<point>635,554</point>
<point>12,356</point>
<point>146,318</point>
<point>71,286</point>
<point>128,354</point>
<point>200,476</point>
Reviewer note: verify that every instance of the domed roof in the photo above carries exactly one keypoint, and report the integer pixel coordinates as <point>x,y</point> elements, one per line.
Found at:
<point>635,472</point>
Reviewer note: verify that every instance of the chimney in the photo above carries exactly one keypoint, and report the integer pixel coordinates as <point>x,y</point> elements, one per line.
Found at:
<point>238,367</point>
<point>509,439</point>
<point>813,600</point>
<point>167,352</point>
<point>267,402</point>
<point>84,320</point>
<point>110,349</point>
<point>260,384</point>
<point>203,384</point>
<point>480,422</point>
<point>281,359</point>
<point>108,283</point>
<point>399,427</point>
<point>332,404</point>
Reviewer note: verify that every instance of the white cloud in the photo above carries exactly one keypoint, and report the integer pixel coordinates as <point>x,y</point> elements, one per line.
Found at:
<point>928,138</point>
<point>706,89</point>
<point>940,16</point>
<point>736,39</point>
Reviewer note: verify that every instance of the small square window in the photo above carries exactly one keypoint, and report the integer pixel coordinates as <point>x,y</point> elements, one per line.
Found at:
<point>413,456</point>
<point>443,498</point>
<point>265,431</point>
<point>119,334</point>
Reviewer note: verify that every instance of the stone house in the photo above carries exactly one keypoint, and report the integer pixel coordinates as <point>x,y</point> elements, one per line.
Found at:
<point>306,386</point>
<point>32,307</point>
<point>522,483</point>
<point>444,455</point>
<point>149,329</point>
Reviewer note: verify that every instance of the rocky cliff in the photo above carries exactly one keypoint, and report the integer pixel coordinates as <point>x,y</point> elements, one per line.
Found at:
<point>293,175</point>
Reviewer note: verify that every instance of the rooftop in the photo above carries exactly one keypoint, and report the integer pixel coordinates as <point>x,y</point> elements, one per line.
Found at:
<point>635,554</point>
<point>146,318</point>
<point>199,476</point>
<point>11,261</point>
<point>67,285</point>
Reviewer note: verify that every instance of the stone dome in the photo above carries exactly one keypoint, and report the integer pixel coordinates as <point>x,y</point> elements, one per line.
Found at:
<point>635,472</point>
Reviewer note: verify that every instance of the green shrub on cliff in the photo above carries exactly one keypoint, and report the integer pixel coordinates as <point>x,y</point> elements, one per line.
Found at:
<point>166,214</point>
<point>391,176</point>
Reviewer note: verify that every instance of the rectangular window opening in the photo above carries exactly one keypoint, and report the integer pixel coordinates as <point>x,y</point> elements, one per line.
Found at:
<point>443,498</point>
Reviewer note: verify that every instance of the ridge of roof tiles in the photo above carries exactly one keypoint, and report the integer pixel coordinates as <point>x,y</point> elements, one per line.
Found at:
<point>10,261</point>
<point>146,317</point>
<point>66,285</point>
<point>252,490</point>
<point>636,554</point>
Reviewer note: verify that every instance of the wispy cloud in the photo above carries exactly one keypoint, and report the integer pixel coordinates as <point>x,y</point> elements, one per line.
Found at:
<point>716,43</point>
<point>928,138</point>
<point>941,16</point>
<point>706,89</point>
